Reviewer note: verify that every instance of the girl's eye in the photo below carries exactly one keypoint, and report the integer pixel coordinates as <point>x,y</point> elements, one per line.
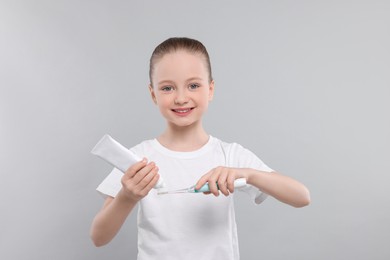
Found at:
<point>193,86</point>
<point>167,88</point>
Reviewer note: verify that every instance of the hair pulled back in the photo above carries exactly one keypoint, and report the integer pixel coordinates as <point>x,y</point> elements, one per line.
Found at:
<point>174,44</point>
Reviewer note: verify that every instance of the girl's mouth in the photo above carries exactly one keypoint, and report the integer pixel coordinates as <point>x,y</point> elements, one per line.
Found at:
<point>182,111</point>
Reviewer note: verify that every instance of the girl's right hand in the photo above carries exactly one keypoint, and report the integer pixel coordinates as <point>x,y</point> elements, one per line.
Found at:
<point>139,179</point>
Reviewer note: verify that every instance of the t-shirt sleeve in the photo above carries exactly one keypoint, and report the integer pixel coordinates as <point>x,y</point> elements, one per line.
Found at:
<point>244,158</point>
<point>111,185</point>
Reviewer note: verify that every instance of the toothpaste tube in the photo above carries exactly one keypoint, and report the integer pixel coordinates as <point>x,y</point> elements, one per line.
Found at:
<point>118,156</point>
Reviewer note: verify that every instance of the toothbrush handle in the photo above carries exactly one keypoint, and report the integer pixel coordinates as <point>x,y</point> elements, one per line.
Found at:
<point>238,183</point>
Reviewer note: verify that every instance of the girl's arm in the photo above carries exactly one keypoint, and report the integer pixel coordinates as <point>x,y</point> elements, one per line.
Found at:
<point>283,188</point>
<point>109,220</point>
<point>137,181</point>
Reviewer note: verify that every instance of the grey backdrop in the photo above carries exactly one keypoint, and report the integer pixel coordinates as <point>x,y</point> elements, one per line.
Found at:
<point>303,84</point>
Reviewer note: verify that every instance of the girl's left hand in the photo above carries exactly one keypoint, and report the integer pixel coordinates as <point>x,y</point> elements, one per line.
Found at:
<point>224,176</point>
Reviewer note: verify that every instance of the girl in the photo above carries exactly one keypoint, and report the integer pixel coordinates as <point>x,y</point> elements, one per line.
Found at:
<point>186,226</point>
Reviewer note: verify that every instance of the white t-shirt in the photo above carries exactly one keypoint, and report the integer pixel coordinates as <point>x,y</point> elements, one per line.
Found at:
<point>188,226</point>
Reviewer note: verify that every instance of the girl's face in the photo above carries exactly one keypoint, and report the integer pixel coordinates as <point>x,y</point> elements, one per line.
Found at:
<point>181,88</point>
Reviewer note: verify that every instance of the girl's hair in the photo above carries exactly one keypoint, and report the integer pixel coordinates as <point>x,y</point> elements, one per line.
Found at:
<point>174,44</point>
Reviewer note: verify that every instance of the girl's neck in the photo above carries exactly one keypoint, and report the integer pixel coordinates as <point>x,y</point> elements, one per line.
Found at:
<point>183,139</point>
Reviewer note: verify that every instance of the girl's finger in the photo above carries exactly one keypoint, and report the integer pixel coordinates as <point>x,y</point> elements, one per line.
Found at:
<point>137,178</point>
<point>152,183</point>
<point>135,168</point>
<point>213,181</point>
<point>145,181</point>
<point>142,188</point>
<point>230,182</point>
<point>202,181</point>
<point>222,183</point>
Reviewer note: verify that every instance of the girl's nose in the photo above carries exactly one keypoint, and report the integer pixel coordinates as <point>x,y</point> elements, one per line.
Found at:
<point>181,98</point>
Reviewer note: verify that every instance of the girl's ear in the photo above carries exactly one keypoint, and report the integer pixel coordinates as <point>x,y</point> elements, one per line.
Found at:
<point>152,94</point>
<point>211,90</point>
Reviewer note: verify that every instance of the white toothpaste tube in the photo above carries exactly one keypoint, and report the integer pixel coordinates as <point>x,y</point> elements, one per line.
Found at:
<point>118,156</point>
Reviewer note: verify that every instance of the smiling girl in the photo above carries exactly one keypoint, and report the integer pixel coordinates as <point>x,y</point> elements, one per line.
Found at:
<point>188,226</point>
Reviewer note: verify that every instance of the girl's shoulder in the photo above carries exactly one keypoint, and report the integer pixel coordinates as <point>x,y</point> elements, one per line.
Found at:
<point>239,156</point>
<point>230,147</point>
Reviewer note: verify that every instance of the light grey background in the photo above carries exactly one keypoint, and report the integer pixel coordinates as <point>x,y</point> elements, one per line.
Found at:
<point>303,84</point>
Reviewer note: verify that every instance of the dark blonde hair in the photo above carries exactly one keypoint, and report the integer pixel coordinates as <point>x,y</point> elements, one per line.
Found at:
<point>179,43</point>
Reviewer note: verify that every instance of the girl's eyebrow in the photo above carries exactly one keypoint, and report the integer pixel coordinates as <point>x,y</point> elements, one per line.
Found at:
<point>166,81</point>
<point>194,78</point>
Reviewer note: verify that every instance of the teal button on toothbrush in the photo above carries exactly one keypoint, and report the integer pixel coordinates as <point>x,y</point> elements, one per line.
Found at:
<point>239,183</point>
